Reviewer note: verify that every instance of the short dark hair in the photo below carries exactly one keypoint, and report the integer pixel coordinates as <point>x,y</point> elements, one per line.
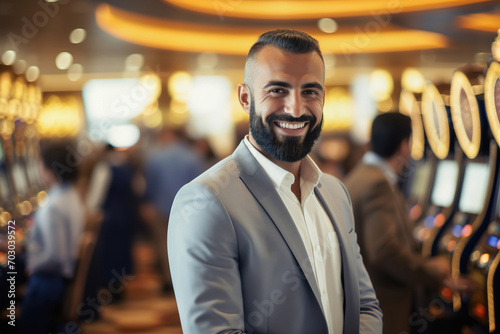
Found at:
<point>61,157</point>
<point>388,132</point>
<point>293,41</point>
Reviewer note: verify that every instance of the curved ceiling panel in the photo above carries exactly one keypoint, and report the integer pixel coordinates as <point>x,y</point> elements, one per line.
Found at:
<point>489,22</point>
<point>172,35</point>
<point>311,9</point>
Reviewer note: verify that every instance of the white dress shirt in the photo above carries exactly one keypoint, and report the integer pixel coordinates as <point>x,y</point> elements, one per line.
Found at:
<point>316,231</point>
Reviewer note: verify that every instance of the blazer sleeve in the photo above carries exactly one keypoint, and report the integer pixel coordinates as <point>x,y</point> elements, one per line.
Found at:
<point>385,249</point>
<point>203,256</point>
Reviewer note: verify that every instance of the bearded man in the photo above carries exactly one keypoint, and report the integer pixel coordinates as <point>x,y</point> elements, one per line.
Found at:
<point>264,242</point>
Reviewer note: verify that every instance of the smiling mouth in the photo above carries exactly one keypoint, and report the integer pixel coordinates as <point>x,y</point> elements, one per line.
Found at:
<point>292,126</point>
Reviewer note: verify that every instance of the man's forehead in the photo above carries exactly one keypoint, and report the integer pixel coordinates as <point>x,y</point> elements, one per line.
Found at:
<point>272,61</point>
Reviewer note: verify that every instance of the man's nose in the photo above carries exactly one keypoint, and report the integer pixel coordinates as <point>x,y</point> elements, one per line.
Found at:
<point>293,105</point>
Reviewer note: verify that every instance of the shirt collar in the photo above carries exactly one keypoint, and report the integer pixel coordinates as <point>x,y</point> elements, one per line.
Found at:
<point>372,158</point>
<point>309,171</point>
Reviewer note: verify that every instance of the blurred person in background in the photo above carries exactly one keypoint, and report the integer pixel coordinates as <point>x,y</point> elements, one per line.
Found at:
<point>111,191</point>
<point>385,232</point>
<point>52,244</point>
<point>170,166</point>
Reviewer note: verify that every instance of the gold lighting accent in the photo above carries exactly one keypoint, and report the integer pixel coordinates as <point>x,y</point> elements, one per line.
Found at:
<point>338,110</point>
<point>16,100</point>
<point>467,125</point>
<point>489,22</point>
<point>436,121</point>
<point>469,230</point>
<point>6,80</point>
<point>381,85</point>
<point>408,105</point>
<point>191,37</point>
<point>59,118</point>
<point>413,80</point>
<point>490,294</point>
<point>311,9</point>
<point>495,47</point>
<point>492,98</point>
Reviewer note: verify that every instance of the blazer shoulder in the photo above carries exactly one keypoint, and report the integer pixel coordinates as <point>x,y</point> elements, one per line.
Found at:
<point>335,186</point>
<point>218,177</point>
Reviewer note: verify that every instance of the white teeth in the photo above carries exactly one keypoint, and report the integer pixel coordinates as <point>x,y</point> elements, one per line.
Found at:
<point>291,125</point>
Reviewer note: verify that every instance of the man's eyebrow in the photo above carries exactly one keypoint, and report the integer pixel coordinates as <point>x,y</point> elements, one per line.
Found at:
<point>277,83</point>
<point>312,85</point>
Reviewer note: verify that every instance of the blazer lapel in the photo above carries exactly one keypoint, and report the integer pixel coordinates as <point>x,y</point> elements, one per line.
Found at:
<point>264,192</point>
<point>349,270</point>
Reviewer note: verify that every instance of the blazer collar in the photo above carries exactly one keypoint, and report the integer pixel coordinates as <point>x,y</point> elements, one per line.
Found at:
<point>264,192</point>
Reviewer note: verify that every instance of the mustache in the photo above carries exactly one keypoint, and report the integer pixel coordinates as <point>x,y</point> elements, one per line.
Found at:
<point>288,118</point>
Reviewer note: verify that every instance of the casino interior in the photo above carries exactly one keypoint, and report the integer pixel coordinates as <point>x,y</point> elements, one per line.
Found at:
<point>113,75</point>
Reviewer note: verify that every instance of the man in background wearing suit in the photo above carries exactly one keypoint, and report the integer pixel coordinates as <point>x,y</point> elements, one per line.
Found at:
<point>383,225</point>
<point>263,242</point>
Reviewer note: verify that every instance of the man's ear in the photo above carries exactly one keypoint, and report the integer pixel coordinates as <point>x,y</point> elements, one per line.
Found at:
<point>244,97</point>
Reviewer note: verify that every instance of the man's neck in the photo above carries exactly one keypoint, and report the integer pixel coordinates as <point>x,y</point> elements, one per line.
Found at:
<point>394,163</point>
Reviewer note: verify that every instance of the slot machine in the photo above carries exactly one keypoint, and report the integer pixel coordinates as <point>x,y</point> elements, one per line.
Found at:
<point>448,173</point>
<point>6,195</point>
<point>456,240</point>
<point>420,172</point>
<point>18,157</point>
<point>32,140</point>
<point>483,262</point>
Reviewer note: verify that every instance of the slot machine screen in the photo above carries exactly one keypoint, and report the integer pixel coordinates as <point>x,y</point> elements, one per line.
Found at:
<point>445,183</point>
<point>474,188</point>
<point>422,174</point>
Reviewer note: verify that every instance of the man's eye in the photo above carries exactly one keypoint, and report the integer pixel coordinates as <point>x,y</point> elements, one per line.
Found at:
<point>310,92</point>
<point>277,91</point>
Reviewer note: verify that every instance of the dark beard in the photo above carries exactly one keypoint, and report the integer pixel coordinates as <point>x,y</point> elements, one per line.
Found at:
<point>290,148</point>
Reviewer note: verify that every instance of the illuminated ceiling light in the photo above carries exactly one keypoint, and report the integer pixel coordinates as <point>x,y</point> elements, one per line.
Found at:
<point>338,110</point>
<point>328,25</point>
<point>172,35</point>
<point>124,135</point>
<point>412,80</point>
<point>311,9</point>
<point>134,62</point>
<point>207,60</point>
<point>381,85</point>
<point>51,0</point>
<point>19,66</point>
<point>77,36</point>
<point>480,21</point>
<point>75,72</point>
<point>179,85</point>
<point>153,120</point>
<point>385,105</point>
<point>209,105</point>
<point>8,57</point>
<point>64,60</point>
<point>32,73</point>
<point>152,83</point>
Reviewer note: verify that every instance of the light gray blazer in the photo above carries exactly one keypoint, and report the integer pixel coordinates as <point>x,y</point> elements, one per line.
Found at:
<point>238,263</point>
